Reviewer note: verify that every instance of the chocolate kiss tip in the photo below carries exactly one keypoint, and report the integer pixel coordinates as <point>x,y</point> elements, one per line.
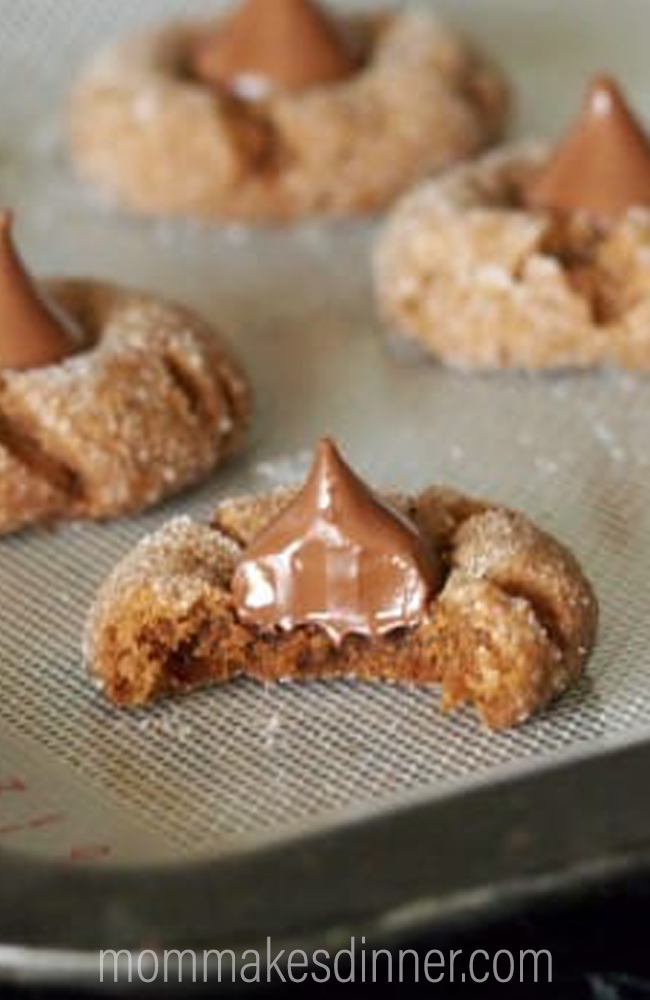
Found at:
<point>33,333</point>
<point>327,451</point>
<point>602,166</point>
<point>604,83</point>
<point>330,467</point>
<point>336,557</point>
<point>293,44</point>
<point>604,97</point>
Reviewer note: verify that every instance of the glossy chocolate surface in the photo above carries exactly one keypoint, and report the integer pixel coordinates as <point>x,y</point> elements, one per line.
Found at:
<point>602,167</point>
<point>33,331</point>
<point>337,557</point>
<point>269,44</point>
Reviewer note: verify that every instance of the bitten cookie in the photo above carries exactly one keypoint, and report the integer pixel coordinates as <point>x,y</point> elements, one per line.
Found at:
<point>280,112</point>
<point>528,257</point>
<point>110,399</point>
<point>332,581</point>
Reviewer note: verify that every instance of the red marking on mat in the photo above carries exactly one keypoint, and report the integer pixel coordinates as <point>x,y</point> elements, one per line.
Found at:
<point>37,823</point>
<point>12,785</point>
<point>89,852</point>
<point>50,819</point>
<point>11,828</point>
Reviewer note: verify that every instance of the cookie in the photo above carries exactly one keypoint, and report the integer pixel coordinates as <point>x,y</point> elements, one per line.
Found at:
<point>508,623</point>
<point>163,141</point>
<point>528,258</point>
<point>110,399</point>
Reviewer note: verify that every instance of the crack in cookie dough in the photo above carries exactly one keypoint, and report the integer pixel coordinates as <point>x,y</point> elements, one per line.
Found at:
<point>23,446</point>
<point>482,282</point>
<point>150,404</point>
<point>510,630</point>
<point>163,143</point>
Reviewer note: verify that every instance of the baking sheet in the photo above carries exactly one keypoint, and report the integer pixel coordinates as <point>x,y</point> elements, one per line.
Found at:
<point>228,768</point>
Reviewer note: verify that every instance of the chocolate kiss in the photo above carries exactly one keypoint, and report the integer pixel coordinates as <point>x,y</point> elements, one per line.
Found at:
<point>337,557</point>
<point>288,43</point>
<point>32,331</point>
<point>602,167</point>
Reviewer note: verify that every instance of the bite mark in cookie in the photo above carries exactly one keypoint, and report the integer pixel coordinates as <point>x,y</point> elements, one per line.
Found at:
<point>508,626</point>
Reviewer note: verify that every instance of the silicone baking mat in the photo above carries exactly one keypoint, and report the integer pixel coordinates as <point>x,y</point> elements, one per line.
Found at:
<point>228,768</point>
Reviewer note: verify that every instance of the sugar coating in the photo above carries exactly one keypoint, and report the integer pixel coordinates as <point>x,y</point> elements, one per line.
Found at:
<point>481,282</point>
<point>150,403</point>
<point>511,629</point>
<point>165,144</point>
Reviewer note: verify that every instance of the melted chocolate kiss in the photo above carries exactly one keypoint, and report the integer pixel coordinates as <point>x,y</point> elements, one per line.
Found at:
<point>291,44</point>
<point>32,331</point>
<point>602,167</point>
<point>337,557</point>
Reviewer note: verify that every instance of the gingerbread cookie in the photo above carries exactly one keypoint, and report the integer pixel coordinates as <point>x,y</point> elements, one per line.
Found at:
<point>110,399</point>
<point>528,257</point>
<point>278,112</point>
<point>332,581</point>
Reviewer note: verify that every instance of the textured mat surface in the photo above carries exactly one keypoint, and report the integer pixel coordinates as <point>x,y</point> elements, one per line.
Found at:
<point>228,768</point>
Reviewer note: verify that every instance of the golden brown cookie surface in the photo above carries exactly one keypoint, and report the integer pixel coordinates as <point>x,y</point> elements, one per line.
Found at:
<point>164,143</point>
<point>481,281</point>
<point>150,404</point>
<point>510,630</point>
